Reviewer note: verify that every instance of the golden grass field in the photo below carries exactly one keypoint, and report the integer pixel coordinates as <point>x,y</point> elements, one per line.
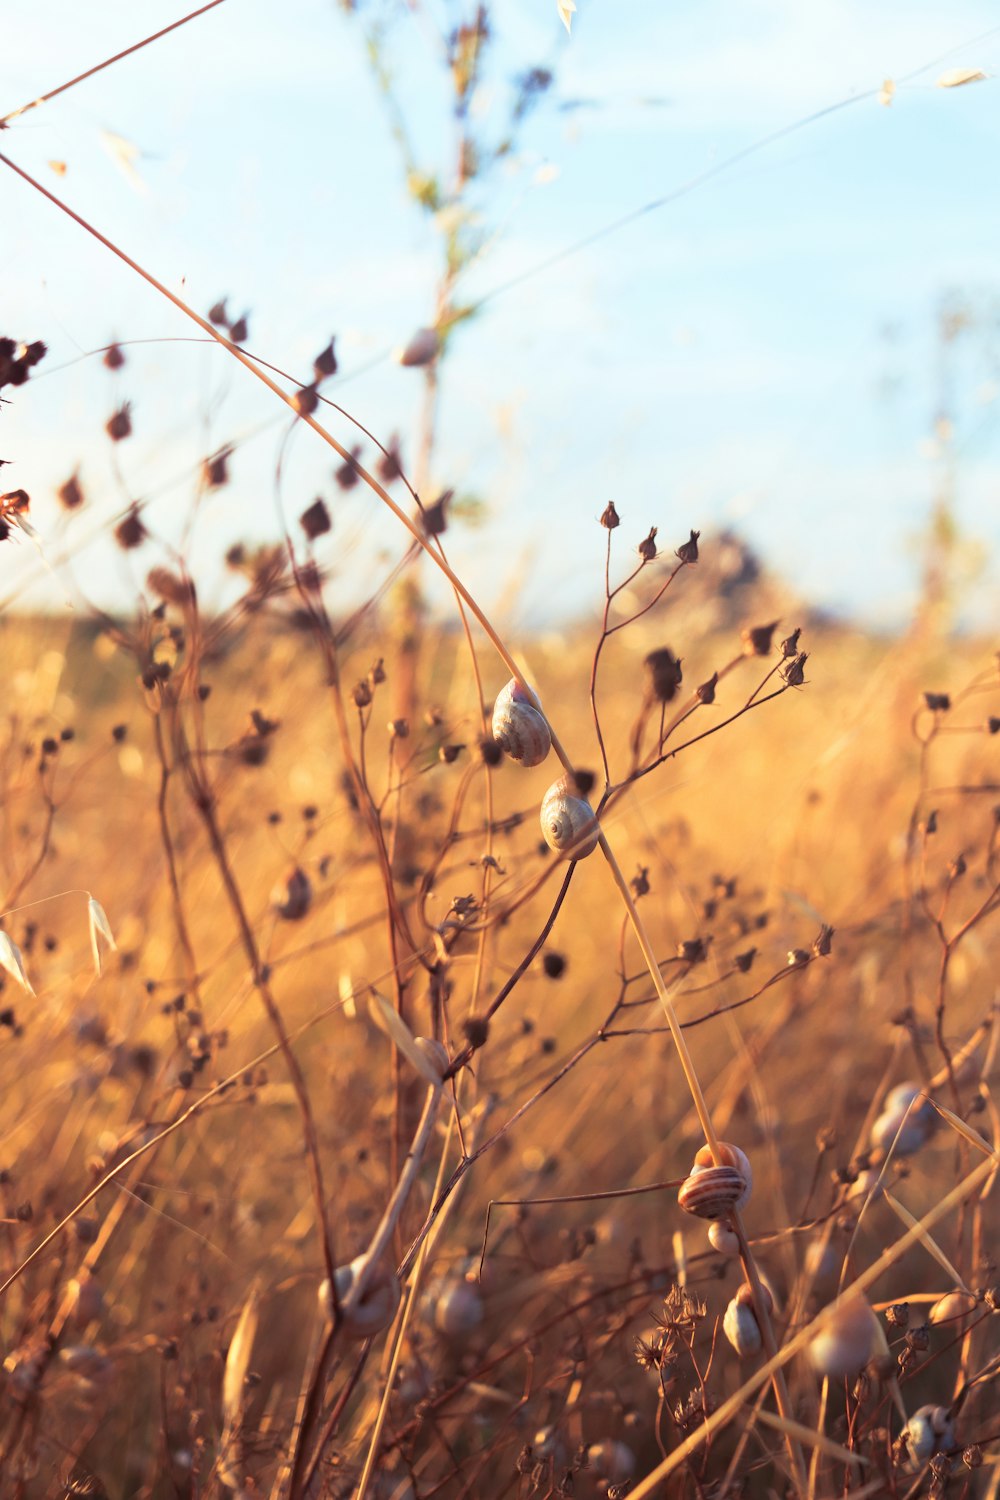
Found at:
<point>161,1321</point>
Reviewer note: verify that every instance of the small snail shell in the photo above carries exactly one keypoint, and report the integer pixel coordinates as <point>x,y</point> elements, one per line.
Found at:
<point>377,1305</point>
<point>710,1191</point>
<point>865,1184</point>
<point>740,1322</point>
<point>928,1431</point>
<point>518,727</point>
<point>909,1131</point>
<point>611,1460</point>
<point>457,1307</point>
<point>843,1345</point>
<point>723,1239</point>
<point>568,823</point>
<point>952,1307</point>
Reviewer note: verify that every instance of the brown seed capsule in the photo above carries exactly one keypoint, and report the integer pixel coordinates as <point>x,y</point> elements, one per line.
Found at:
<point>292,896</point>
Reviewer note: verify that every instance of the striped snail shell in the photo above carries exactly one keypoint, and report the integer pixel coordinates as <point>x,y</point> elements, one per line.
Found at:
<point>568,823</point>
<point>712,1191</point>
<point>374,1309</point>
<point>520,730</point>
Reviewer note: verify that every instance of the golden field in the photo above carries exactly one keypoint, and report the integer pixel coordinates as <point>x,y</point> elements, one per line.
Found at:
<point>272,859</point>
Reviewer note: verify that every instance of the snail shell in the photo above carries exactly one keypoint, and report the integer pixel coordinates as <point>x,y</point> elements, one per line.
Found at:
<point>740,1322</point>
<point>844,1343</point>
<point>518,727</point>
<point>914,1128</point>
<point>612,1460</point>
<point>952,1307</point>
<point>928,1430</point>
<point>568,823</point>
<point>723,1239</point>
<point>458,1308</point>
<point>377,1305</point>
<point>710,1191</point>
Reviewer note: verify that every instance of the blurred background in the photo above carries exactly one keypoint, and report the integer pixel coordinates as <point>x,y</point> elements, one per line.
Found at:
<point>794,333</point>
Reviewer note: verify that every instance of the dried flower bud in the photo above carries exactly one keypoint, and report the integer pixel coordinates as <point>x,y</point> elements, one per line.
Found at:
<point>553,965</point>
<point>692,951</point>
<point>930,823</point>
<point>798,958</point>
<point>993,726</point>
<point>217,314</point>
<point>794,671</point>
<point>305,400</point>
<point>325,363</point>
<point>757,639</point>
<point>315,520</point>
<point>640,882</point>
<point>476,1030</point>
<point>744,961</point>
<point>972,1457</point>
<point>215,470</point>
<point>898,1315</point>
<point>346,474</point>
<point>376,673</point>
<point>790,645</point>
<point>448,754</point>
<point>665,673</point>
<point>938,703</point>
<point>706,692</point>
<point>647,547</point>
<point>434,517</point>
<point>119,426</point>
<point>490,752</point>
<point>957,868</point>
<point>610,517</point>
<point>171,588</point>
<point>824,942</point>
<point>292,896</point>
<point>399,729</point>
<point>688,551</point>
<point>130,532</point>
<point>239,331</point>
<point>113,357</point>
<point>362,695</point>
<point>389,465</point>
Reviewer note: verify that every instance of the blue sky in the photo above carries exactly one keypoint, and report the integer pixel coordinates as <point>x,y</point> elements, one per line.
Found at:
<point>761,352</point>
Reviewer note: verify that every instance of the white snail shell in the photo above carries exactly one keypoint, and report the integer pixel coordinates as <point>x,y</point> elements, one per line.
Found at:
<point>740,1322</point>
<point>710,1191</point>
<point>423,347</point>
<point>458,1307</point>
<point>518,727</point>
<point>723,1239</point>
<point>568,823</point>
<point>377,1306</point>
<point>843,1345</point>
<point>952,1307</point>
<point>914,1128</point>
<point>928,1430</point>
<point>611,1460</point>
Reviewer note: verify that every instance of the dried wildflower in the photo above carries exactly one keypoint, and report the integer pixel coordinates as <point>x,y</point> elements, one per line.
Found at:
<point>325,363</point>
<point>647,547</point>
<point>824,942</point>
<point>171,587</point>
<point>119,425</point>
<point>693,950</point>
<point>215,470</point>
<point>315,520</point>
<point>665,673</point>
<point>706,692</point>
<point>688,551</point>
<point>70,494</point>
<point>790,645</point>
<point>610,517</point>
<point>743,961</point>
<point>305,400</point>
<point>757,639</point>
<point>434,517</point>
<point>898,1315</point>
<point>376,672</point>
<point>346,474</point>
<point>448,754</point>
<point>389,464</point>
<point>640,882</point>
<point>798,958</point>
<point>114,359</point>
<point>239,331</point>
<point>957,868</point>
<point>938,703</point>
<point>130,532</point>
<point>218,314</point>
<point>476,1030</point>
<point>793,672</point>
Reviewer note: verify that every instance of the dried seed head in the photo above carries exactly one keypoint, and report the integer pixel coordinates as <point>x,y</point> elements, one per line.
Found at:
<point>130,532</point>
<point>476,1030</point>
<point>665,675</point>
<point>389,465</point>
<point>292,896</point>
<point>422,349</point>
<point>325,363</point>
<point>610,517</point>
<point>790,645</point>
<point>346,474</point>
<point>119,425</point>
<point>114,358</point>
<point>239,331</point>
<point>70,494</point>
<point>688,551</point>
<point>706,692</point>
<point>305,400</point>
<point>757,639</point>
<point>315,520</point>
<point>647,547</point>
<point>215,470</point>
<point>938,703</point>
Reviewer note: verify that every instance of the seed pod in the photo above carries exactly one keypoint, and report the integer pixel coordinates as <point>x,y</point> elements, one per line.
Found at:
<point>568,823</point>
<point>377,1305</point>
<point>740,1322</point>
<point>518,727</point>
<point>843,1345</point>
<point>928,1431</point>
<point>292,896</point>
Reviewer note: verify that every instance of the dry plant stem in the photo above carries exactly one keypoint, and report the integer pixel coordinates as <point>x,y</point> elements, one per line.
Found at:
<point>203,803</point>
